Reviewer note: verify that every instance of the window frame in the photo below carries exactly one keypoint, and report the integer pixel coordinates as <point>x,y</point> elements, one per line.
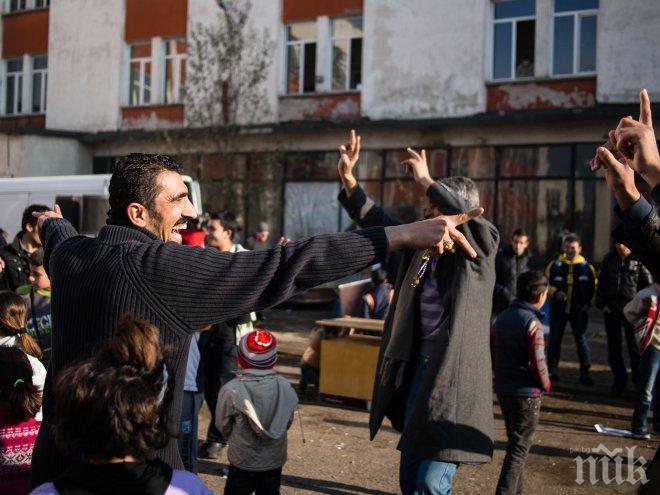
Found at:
<point>180,61</point>
<point>514,38</point>
<point>301,69</point>
<point>19,107</point>
<point>44,85</point>
<point>577,15</point>
<point>348,39</point>
<point>143,61</point>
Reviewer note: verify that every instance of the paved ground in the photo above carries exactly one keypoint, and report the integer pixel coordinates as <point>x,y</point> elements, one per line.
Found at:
<point>338,457</point>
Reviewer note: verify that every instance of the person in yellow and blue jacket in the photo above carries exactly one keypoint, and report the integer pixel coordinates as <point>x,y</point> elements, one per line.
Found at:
<point>572,290</point>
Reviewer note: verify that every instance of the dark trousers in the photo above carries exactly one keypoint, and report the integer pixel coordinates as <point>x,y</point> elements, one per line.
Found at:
<point>308,376</point>
<point>615,322</point>
<point>521,417</point>
<point>219,368</point>
<point>188,431</point>
<point>240,482</point>
<point>578,321</point>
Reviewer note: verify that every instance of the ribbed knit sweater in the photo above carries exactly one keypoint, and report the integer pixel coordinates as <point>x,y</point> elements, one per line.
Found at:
<point>178,288</point>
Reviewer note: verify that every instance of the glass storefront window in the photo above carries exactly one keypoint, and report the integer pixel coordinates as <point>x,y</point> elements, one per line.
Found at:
<point>541,207</point>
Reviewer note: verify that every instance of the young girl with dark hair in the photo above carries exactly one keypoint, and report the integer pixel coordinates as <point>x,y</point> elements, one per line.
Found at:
<point>111,412</point>
<point>20,401</point>
<point>13,333</point>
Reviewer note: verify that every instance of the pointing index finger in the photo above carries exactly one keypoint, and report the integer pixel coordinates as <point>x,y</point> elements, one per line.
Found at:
<point>645,108</point>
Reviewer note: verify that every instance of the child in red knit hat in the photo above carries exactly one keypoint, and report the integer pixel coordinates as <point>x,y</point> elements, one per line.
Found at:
<point>254,412</point>
<point>20,401</point>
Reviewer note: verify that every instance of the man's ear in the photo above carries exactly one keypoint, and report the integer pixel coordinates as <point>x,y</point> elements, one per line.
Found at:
<point>137,214</point>
<point>29,228</point>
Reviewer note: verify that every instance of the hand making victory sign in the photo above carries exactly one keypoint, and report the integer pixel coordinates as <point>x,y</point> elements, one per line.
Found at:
<point>630,148</point>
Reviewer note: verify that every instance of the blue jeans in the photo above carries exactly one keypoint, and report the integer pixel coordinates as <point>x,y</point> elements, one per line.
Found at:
<point>423,476</point>
<point>192,402</point>
<point>649,367</point>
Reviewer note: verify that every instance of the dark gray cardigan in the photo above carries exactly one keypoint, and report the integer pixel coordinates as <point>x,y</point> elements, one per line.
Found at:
<point>178,288</point>
<point>452,419</point>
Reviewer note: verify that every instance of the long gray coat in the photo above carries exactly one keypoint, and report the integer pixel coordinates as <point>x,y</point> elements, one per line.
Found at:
<point>452,419</point>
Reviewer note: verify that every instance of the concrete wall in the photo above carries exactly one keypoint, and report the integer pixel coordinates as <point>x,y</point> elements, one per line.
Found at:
<point>33,156</point>
<point>424,58</point>
<point>85,58</point>
<point>628,58</point>
<point>11,155</point>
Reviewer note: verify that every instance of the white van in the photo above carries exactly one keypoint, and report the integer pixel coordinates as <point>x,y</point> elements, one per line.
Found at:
<point>82,198</point>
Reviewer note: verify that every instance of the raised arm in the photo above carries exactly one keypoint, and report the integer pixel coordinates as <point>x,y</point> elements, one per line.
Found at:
<point>357,204</point>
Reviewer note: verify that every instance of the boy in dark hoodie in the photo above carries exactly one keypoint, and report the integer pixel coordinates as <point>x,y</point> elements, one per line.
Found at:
<point>254,412</point>
<point>520,374</point>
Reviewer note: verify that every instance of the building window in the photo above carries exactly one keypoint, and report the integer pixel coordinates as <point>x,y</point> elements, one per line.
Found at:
<point>15,5</point>
<point>14,85</point>
<point>301,57</point>
<point>175,70</point>
<point>140,74</point>
<point>513,39</point>
<point>574,37</point>
<point>347,54</point>
<point>18,5</point>
<point>39,83</point>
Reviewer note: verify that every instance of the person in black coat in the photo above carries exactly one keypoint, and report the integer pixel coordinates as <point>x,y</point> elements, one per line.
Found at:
<point>16,255</point>
<point>621,276</point>
<point>632,148</point>
<point>511,261</point>
<point>428,383</point>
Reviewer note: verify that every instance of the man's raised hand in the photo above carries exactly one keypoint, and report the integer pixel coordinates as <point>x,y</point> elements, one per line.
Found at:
<point>42,216</point>
<point>349,154</point>
<point>636,142</point>
<point>418,166</point>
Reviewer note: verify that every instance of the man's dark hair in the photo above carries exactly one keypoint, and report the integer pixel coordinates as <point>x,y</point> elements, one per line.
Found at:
<point>530,285</point>
<point>571,238</point>
<point>226,219</point>
<point>135,180</point>
<point>520,232</point>
<point>465,188</point>
<point>378,276</point>
<point>36,258</point>
<point>29,218</point>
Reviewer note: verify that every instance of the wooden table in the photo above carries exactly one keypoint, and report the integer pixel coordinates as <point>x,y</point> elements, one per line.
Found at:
<point>348,363</point>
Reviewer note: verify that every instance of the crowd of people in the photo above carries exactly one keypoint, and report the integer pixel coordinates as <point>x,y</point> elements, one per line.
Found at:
<point>137,330</point>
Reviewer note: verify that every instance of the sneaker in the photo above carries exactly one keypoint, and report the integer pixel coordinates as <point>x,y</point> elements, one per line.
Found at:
<point>211,450</point>
<point>586,380</point>
<point>640,435</point>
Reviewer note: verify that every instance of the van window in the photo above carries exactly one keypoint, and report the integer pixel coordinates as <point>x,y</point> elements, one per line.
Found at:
<point>71,209</point>
<point>95,211</point>
<point>87,214</point>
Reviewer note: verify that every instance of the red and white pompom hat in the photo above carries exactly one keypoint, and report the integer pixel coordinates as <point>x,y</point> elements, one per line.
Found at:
<point>258,350</point>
